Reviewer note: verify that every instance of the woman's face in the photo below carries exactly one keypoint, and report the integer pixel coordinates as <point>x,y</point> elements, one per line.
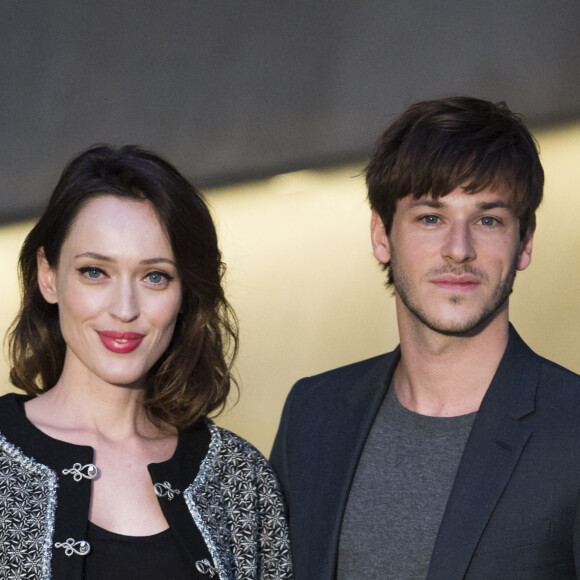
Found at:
<point>117,289</point>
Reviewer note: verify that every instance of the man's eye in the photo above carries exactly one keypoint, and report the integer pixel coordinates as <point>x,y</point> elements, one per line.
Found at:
<point>430,219</point>
<point>488,221</point>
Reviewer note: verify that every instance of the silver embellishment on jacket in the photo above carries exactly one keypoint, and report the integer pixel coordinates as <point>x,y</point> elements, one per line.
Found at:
<point>80,548</point>
<point>235,501</point>
<point>224,566</point>
<point>204,567</point>
<point>27,506</point>
<point>79,471</point>
<point>165,490</point>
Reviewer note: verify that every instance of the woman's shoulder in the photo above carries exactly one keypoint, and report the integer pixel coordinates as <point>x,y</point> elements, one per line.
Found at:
<point>227,443</point>
<point>12,410</point>
<point>237,493</point>
<point>9,399</point>
<point>231,457</point>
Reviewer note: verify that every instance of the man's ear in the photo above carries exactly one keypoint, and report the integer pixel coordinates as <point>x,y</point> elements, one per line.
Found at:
<point>379,239</point>
<point>525,251</point>
<point>46,278</point>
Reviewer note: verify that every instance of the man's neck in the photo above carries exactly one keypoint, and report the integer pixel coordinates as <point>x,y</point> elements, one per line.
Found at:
<point>447,376</point>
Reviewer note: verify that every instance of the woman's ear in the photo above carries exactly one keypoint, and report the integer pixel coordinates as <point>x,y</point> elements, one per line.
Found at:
<point>46,277</point>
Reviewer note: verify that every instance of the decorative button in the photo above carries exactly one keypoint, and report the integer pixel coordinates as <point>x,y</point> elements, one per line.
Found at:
<point>79,471</point>
<point>204,567</point>
<point>80,548</point>
<point>164,490</point>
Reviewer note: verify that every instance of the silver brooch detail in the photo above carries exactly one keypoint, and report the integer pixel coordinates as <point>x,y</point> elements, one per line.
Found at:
<point>79,471</point>
<point>165,490</point>
<point>80,548</point>
<point>204,567</point>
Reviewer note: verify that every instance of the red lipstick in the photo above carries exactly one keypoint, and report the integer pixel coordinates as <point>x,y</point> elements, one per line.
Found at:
<point>461,283</point>
<point>120,342</point>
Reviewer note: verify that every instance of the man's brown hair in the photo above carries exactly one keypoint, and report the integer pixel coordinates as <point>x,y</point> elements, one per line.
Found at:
<point>439,145</point>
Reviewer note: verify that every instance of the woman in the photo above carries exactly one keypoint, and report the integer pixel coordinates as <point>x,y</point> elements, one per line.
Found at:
<point>109,467</point>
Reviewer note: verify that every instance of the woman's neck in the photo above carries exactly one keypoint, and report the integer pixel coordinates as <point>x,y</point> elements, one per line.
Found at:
<point>83,413</point>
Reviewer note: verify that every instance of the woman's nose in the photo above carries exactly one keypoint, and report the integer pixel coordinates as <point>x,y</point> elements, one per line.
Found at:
<point>124,301</point>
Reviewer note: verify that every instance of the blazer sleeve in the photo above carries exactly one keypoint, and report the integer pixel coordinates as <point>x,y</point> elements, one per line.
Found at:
<point>576,540</point>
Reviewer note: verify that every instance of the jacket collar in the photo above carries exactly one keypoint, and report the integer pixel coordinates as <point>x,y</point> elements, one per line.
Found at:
<point>497,439</point>
<point>19,431</point>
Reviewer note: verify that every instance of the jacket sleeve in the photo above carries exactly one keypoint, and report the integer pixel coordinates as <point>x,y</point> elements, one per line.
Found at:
<point>252,512</point>
<point>275,554</point>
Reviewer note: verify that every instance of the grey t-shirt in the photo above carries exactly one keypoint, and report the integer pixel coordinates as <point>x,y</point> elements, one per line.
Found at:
<point>399,493</point>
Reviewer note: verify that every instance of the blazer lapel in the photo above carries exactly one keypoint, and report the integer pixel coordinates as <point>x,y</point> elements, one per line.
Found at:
<point>342,437</point>
<point>495,443</point>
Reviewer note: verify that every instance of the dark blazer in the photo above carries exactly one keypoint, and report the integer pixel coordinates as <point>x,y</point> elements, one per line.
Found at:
<point>512,512</point>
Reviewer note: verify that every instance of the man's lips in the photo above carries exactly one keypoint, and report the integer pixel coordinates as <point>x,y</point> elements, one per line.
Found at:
<point>461,283</point>
<point>120,342</point>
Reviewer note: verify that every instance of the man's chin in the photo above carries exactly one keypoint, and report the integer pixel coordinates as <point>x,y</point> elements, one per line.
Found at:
<point>460,327</point>
<point>459,330</point>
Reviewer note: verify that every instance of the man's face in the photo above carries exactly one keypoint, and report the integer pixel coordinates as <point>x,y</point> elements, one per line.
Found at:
<point>453,260</point>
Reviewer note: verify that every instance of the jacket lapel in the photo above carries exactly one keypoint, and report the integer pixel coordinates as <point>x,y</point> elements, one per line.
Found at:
<point>342,438</point>
<point>495,443</point>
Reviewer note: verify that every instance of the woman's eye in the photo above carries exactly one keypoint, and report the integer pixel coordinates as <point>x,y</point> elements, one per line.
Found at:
<point>158,278</point>
<point>91,272</point>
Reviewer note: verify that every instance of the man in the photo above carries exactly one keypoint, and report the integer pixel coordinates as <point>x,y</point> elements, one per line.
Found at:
<point>458,454</point>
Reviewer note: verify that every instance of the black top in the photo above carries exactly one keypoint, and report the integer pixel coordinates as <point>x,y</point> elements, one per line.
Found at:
<point>118,557</point>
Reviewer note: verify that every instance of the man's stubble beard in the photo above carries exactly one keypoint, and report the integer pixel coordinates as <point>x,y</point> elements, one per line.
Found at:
<point>403,288</point>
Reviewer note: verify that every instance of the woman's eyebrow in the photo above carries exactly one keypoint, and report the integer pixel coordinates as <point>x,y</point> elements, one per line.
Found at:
<point>103,258</point>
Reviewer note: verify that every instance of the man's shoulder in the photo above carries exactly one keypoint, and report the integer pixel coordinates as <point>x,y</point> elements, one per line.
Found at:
<point>556,371</point>
<point>549,371</point>
<point>526,381</point>
<point>344,379</point>
<point>557,382</point>
<point>520,361</point>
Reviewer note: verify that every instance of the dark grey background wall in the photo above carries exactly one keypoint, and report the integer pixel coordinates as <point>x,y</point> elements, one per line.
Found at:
<point>231,90</point>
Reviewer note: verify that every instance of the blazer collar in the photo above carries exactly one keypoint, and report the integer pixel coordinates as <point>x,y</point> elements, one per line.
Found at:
<point>513,388</point>
<point>497,439</point>
<point>370,389</point>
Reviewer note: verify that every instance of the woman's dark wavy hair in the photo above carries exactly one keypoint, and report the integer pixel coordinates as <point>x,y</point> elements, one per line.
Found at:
<point>193,377</point>
<point>436,146</point>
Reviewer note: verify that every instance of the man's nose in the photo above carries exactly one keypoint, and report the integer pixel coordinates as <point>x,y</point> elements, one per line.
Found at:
<point>458,245</point>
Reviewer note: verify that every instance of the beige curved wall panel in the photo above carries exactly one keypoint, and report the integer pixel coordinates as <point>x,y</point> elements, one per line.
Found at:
<point>310,296</point>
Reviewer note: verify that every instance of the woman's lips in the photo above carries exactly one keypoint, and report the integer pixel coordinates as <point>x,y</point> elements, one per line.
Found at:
<point>120,342</point>
<point>457,283</point>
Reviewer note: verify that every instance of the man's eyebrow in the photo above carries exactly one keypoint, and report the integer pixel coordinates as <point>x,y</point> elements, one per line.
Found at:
<point>487,205</point>
<point>436,204</point>
<point>432,203</point>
